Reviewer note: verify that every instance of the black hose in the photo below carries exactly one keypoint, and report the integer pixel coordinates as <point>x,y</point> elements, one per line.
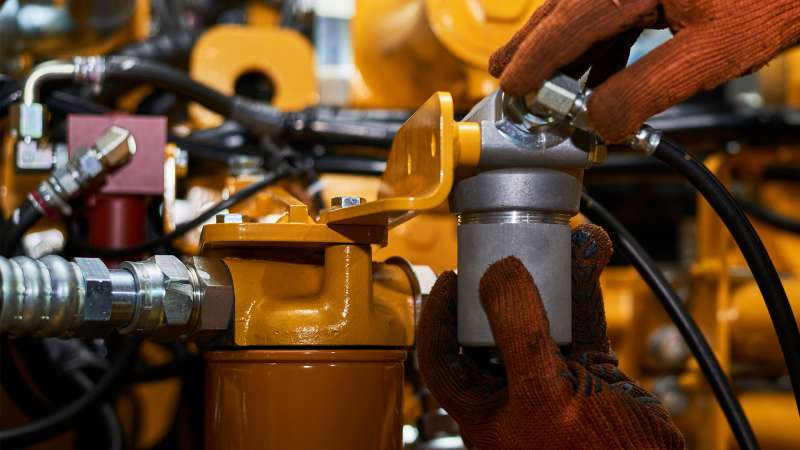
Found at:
<point>16,387</point>
<point>767,278</point>
<point>128,68</point>
<point>22,219</point>
<point>66,416</point>
<point>115,434</point>
<point>172,47</point>
<point>631,249</point>
<point>770,217</point>
<point>185,227</point>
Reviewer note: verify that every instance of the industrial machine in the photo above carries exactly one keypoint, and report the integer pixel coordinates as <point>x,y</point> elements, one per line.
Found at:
<point>221,220</point>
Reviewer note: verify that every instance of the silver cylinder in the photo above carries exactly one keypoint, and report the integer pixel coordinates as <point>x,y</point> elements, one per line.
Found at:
<point>523,213</point>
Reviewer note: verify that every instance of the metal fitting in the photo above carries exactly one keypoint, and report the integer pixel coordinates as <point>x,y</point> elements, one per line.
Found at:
<point>86,168</point>
<point>346,201</point>
<point>91,69</point>
<point>160,297</point>
<point>214,286</point>
<point>29,120</point>
<point>54,297</point>
<point>646,140</point>
<point>561,98</point>
<point>167,301</point>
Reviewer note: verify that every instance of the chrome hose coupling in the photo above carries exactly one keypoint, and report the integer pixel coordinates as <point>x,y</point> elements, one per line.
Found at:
<point>86,168</point>
<point>160,297</point>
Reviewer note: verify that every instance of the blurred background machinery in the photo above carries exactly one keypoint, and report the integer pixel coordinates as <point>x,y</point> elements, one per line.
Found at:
<point>276,165</point>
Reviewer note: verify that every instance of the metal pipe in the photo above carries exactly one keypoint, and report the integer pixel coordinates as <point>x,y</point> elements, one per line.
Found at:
<point>46,71</point>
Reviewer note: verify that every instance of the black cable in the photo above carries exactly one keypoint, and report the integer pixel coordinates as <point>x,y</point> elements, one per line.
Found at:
<point>64,417</point>
<point>22,219</point>
<point>770,217</point>
<point>764,272</point>
<point>171,47</point>
<point>132,69</point>
<point>20,392</point>
<point>631,249</point>
<point>185,227</point>
<point>15,385</point>
<point>115,434</point>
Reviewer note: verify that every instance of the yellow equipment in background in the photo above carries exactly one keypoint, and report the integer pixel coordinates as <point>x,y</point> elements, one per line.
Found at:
<point>311,285</point>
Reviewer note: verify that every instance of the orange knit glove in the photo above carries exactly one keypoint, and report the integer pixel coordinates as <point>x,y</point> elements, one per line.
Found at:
<point>715,41</point>
<point>546,399</point>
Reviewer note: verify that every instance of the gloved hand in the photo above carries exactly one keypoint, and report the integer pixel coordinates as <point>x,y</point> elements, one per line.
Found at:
<point>546,399</point>
<point>715,41</point>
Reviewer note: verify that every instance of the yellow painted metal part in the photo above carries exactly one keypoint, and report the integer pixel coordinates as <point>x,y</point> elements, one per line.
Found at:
<point>774,418</point>
<point>294,229</point>
<point>428,240</point>
<point>420,169</point>
<point>754,340</point>
<point>226,52</point>
<point>343,301</point>
<point>710,294</point>
<point>405,49</point>
<point>474,29</point>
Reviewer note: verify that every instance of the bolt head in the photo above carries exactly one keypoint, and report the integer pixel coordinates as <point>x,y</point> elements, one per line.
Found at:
<point>346,201</point>
<point>216,292</point>
<point>232,218</point>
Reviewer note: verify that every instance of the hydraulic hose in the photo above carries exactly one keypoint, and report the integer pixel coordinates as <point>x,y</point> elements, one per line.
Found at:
<point>132,69</point>
<point>60,420</point>
<point>770,217</point>
<point>20,392</point>
<point>256,116</point>
<point>633,251</point>
<point>764,272</point>
<point>171,47</point>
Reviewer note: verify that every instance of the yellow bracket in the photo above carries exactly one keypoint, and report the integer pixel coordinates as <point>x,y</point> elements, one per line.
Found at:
<point>295,228</point>
<point>421,166</point>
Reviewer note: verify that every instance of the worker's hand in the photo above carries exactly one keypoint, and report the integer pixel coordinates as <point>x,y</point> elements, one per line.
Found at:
<point>546,399</point>
<point>715,41</point>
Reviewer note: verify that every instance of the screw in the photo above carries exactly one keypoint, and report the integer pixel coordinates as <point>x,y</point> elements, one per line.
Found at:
<point>233,218</point>
<point>346,202</point>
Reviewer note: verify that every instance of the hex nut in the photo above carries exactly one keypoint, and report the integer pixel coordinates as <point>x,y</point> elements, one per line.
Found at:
<point>89,165</point>
<point>217,297</point>
<point>555,98</point>
<point>64,183</point>
<point>97,298</point>
<point>31,120</point>
<point>178,300</point>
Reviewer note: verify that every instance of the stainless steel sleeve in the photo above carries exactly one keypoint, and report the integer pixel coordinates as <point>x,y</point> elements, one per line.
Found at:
<point>523,213</point>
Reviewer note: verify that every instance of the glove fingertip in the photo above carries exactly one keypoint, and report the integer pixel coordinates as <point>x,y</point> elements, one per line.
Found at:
<point>591,245</point>
<point>442,299</point>
<point>506,278</point>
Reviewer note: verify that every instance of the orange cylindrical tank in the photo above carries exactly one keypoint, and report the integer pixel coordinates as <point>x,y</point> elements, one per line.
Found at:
<point>304,399</point>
